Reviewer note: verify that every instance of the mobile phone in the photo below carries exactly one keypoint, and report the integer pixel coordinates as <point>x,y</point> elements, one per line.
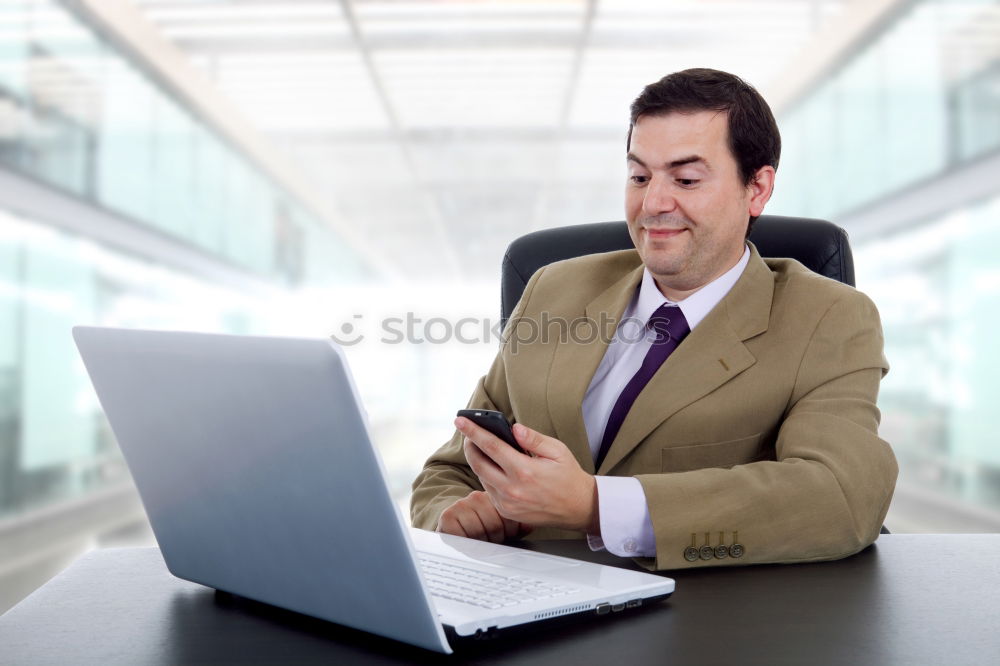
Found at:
<point>493,422</point>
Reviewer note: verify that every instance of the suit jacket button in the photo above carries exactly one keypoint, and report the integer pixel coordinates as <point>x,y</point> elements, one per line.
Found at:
<point>736,550</point>
<point>690,553</point>
<point>721,552</point>
<point>707,552</point>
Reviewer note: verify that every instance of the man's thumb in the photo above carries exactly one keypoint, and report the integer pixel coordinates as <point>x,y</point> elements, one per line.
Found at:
<point>529,439</point>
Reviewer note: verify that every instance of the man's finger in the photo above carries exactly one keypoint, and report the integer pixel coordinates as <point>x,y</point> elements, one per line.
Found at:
<point>538,444</point>
<point>512,529</point>
<point>499,451</point>
<point>492,522</point>
<point>484,467</point>
<point>449,525</point>
<point>471,523</point>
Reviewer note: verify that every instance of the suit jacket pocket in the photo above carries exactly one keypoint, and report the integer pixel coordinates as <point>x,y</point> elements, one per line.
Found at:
<point>688,457</point>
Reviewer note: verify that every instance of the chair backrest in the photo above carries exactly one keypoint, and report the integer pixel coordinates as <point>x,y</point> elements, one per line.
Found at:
<point>819,245</point>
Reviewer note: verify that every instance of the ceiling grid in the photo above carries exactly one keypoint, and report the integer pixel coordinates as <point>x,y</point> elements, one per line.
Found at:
<point>445,128</point>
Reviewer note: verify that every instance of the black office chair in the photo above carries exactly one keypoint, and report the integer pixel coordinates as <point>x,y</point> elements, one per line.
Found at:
<point>819,245</point>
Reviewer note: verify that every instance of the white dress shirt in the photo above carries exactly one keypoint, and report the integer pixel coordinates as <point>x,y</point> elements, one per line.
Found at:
<point>626,528</point>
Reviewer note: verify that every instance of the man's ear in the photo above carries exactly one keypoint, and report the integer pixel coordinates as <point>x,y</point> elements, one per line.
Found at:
<point>760,189</point>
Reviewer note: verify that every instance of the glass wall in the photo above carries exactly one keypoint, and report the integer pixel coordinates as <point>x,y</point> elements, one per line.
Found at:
<point>938,288</point>
<point>77,115</point>
<point>920,100</point>
<point>921,97</point>
<point>56,443</point>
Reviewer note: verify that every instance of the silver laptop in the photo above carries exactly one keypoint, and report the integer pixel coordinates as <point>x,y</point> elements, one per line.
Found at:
<point>257,470</point>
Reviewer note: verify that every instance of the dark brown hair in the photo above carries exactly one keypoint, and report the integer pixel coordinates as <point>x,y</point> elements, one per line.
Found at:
<point>754,139</point>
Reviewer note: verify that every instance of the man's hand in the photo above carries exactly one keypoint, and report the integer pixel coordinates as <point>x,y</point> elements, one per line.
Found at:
<point>474,516</point>
<point>546,488</point>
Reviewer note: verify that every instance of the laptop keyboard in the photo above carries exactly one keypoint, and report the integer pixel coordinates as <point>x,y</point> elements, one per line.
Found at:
<point>448,579</point>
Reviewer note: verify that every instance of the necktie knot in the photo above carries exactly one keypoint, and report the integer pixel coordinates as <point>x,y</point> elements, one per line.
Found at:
<point>668,323</point>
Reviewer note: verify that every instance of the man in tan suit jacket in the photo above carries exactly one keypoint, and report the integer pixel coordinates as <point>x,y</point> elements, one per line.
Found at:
<point>755,441</point>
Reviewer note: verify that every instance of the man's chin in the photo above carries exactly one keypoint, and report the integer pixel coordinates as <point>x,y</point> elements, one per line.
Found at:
<point>659,263</point>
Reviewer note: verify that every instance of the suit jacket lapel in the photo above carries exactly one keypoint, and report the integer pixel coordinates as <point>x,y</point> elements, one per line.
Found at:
<point>711,355</point>
<point>576,359</point>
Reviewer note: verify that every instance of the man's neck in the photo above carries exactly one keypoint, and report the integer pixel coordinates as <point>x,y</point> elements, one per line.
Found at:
<point>673,295</point>
<point>678,295</point>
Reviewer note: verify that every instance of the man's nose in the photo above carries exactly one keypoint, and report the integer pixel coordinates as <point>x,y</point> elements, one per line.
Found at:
<point>658,197</point>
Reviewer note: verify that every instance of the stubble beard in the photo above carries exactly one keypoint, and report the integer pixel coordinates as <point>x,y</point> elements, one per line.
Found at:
<point>683,269</point>
<point>672,270</point>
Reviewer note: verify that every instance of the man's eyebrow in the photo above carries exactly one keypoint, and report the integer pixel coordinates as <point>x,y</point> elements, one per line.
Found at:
<point>632,158</point>
<point>690,159</point>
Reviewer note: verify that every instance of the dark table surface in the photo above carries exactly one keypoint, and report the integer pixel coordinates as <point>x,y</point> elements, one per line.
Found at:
<point>909,599</point>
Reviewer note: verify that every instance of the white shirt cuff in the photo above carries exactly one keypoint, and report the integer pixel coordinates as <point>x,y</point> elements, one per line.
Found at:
<point>626,528</point>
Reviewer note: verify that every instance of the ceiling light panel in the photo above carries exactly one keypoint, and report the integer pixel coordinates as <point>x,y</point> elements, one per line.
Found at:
<point>774,8</point>
<point>238,29</point>
<point>470,24</point>
<point>705,26</point>
<point>475,88</point>
<point>379,9</point>
<point>174,13</point>
<point>398,27</point>
<point>301,91</point>
<point>239,20</point>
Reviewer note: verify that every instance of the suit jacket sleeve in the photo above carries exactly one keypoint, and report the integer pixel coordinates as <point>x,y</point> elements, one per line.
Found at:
<point>446,476</point>
<point>826,494</point>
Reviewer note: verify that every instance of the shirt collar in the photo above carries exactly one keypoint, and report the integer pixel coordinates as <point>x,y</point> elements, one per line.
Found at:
<point>696,306</point>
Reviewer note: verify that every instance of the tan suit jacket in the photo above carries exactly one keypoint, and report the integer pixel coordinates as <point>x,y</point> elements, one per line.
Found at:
<point>760,429</point>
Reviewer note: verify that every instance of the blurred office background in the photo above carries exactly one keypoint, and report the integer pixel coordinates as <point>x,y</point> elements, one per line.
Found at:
<point>357,167</point>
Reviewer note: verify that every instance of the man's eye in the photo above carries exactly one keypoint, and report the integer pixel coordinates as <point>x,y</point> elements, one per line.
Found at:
<point>687,182</point>
<point>638,180</point>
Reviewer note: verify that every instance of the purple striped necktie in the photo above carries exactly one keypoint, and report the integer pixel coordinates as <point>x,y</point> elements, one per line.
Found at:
<point>670,327</point>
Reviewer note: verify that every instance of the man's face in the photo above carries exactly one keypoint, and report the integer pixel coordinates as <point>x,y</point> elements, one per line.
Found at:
<point>686,205</point>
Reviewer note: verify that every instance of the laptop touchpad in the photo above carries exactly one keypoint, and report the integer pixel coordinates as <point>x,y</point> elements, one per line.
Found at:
<point>530,562</point>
